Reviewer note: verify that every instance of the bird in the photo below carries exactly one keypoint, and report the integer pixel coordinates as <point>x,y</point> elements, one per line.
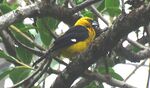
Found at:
<point>77,39</point>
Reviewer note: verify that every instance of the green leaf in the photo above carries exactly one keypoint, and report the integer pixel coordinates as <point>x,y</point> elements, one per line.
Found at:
<point>21,26</point>
<point>1,1</point>
<point>101,86</point>
<point>38,40</point>
<point>94,85</point>
<point>87,13</point>
<point>112,3</point>
<point>29,27</point>
<point>38,86</point>
<point>101,6</point>
<point>43,30</point>
<point>16,74</point>
<point>60,2</point>
<point>4,72</point>
<point>111,7</point>
<point>54,63</point>
<point>19,73</point>
<point>117,76</point>
<point>113,11</point>
<point>24,55</point>
<point>43,26</point>
<point>135,49</point>
<point>6,56</point>
<point>102,70</point>
<point>10,58</point>
<point>5,8</point>
<point>79,1</point>
<point>12,5</point>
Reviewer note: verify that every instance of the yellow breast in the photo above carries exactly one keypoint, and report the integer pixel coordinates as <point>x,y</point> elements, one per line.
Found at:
<point>79,47</point>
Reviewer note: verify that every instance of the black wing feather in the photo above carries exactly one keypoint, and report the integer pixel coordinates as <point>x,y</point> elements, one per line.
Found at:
<point>79,33</point>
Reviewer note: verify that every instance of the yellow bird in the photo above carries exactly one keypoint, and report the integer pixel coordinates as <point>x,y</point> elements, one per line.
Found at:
<point>77,39</point>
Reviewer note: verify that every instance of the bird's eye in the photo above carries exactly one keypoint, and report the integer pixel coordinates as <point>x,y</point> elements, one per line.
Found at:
<point>95,25</point>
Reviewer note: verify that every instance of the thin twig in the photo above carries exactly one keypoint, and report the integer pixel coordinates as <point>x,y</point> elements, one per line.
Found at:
<point>83,5</point>
<point>60,61</point>
<point>43,80</point>
<point>123,7</point>
<point>46,55</point>
<point>91,76</point>
<point>136,68</point>
<point>102,78</point>
<point>47,64</point>
<point>96,12</point>
<point>50,70</point>
<point>55,58</point>
<point>73,5</point>
<point>135,64</point>
<point>38,61</point>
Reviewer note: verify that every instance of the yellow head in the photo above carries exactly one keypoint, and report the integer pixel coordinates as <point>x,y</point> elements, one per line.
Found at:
<point>88,22</point>
<point>84,21</point>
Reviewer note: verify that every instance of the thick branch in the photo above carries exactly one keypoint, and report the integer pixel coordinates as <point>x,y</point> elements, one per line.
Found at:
<point>43,9</point>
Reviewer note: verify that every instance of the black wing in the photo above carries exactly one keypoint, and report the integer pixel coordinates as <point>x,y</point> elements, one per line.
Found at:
<point>72,36</point>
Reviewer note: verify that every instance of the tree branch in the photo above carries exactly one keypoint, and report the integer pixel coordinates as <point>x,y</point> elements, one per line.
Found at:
<point>43,9</point>
<point>111,81</point>
<point>83,5</point>
<point>136,44</point>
